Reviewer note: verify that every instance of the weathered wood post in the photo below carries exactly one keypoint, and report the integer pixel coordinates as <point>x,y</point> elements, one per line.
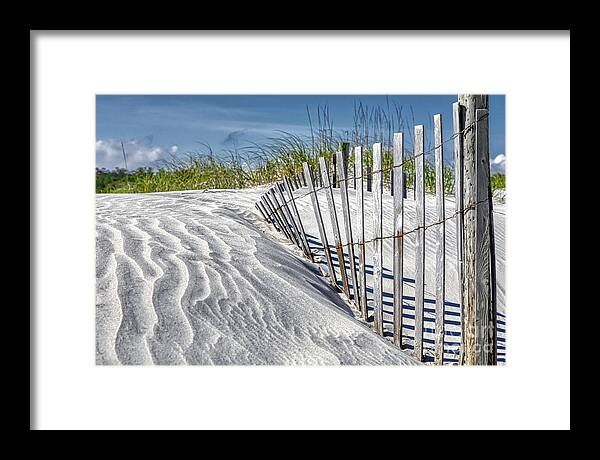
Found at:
<point>360,219</point>
<point>457,122</point>
<point>419,152</point>
<point>335,225</point>
<point>398,184</point>
<point>478,310</point>
<point>342,161</point>
<point>319,219</point>
<point>440,243</point>
<point>377,234</point>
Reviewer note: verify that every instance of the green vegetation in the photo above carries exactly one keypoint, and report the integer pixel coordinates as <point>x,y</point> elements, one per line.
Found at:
<point>498,181</point>
<point>280,156</point>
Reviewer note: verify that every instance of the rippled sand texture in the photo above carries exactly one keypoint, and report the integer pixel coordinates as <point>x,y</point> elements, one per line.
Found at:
<point>199,278</point>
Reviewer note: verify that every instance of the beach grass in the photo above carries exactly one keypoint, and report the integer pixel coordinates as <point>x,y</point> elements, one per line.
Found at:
<point>279,156</point>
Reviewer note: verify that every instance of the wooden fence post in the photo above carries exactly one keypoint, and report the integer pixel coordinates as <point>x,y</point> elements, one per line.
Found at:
<point>398,185</point>
<point>342,169</point>
<point>458,125</point>
<point>360,214</point>
<point>319,219</point>
<point>377,234</point>
<point>334,224</point>
<point>478,309</point>
<point>485,258</point>
<point>440,243</point>
<point>419,150</point>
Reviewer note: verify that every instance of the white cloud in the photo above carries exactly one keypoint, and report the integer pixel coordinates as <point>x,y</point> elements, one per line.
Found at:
<point>498,163</point>
<point>139,153</point>
<point>499,159</point>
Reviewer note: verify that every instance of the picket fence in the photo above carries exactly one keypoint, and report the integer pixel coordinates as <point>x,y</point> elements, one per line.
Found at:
<point>473,220</point>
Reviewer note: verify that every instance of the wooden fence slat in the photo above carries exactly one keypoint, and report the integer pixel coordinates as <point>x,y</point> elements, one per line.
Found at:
<point>279,208</point>
<point>269,213</point>
<point>485,325</point>
<point>284,223</point>
<point>288,216</point>
<point>377,242</point>
<point>457,123</point>
<point>334,225</point>
<point>269,197</point>
<point>419,149</point>
<point>440,243</point>
<point>272,214</point>
<point>319,219</point>
<point>342,169</point>
<point>297,220</point>
<point>398,184</point>
<point>334,175</point>
<point>494,300</point>
<point>266,211</point>
<point>261,212</point>
<point>360,219</point>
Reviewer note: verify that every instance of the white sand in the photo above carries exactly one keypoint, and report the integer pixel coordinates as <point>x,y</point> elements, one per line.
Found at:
<point>200,278</point>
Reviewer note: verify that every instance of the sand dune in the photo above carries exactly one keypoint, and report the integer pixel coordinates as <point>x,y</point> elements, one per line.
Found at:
<point>199,278</point>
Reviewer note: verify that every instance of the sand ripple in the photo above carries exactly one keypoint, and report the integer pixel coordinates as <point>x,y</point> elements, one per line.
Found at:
<point>199,278</point>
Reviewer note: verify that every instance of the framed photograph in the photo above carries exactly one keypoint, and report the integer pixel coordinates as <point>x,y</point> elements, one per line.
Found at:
<point>352,228</point>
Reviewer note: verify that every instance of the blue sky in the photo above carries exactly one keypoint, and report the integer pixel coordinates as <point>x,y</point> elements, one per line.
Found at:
<point>157,126</point>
